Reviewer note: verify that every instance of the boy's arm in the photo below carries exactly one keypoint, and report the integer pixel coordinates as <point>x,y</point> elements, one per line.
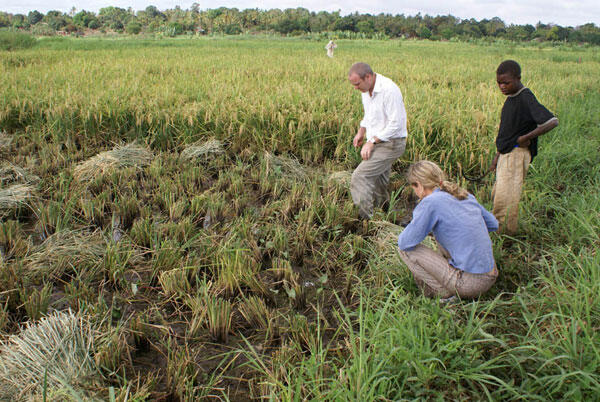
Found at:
<point>494,162</point>
<point>525,140</point>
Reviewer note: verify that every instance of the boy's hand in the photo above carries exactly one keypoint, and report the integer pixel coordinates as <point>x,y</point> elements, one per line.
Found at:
<point>494,162</point>
<point>523,141</point>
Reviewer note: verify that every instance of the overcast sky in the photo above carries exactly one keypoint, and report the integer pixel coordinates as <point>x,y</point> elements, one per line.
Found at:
<point>561,12</point>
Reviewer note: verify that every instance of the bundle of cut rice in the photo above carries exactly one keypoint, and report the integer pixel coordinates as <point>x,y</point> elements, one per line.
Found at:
<point>5,140</point>
<point>289,167</point>
<point>10,173</point>
<point>203,149</point>
<point>342,178</point>
<point>120,157</point>
<point>64,250</point>
<point>13,197</point>
<point>58,349</point>
<point>386,238</point>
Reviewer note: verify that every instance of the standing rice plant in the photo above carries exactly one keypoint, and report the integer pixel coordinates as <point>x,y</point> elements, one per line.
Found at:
<point>13,243</point>
<point>219,318</point>
<point>255,312</point>
<point>56,351</point>
<point>181,371</point>
<point>112,350</point>
<point>175,282</point>
<point>36,301</point>
<point>4,317</point>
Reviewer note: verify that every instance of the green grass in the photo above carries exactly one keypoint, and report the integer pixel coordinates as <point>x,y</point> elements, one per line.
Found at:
<point>11,40</point>
<point>242,269</point>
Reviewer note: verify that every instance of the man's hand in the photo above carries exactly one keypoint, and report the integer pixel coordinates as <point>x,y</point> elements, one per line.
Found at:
<point>366,150</point>
<point>359,138</point>
<point>494,162</point>
<point>523,141</point>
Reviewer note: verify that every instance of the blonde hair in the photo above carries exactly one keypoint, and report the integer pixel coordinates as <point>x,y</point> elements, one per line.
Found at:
<point>429,175</point>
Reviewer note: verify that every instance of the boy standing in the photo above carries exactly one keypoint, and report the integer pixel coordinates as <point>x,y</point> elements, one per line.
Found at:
<point>522,120</point>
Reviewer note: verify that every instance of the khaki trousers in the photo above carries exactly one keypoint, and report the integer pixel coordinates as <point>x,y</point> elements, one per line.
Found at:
<point>370,179</point>
<point>436,277</point>
<point>510,174</point>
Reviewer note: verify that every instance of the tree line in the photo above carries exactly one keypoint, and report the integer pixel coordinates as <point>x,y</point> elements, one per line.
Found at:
<point>291,21</point>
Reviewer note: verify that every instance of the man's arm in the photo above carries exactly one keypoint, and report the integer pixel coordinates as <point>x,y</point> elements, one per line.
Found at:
<point>525,140</point>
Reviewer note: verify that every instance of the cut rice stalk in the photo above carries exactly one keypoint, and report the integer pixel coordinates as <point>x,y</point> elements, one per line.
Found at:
<point>203,149</point>
<point>120,157</point>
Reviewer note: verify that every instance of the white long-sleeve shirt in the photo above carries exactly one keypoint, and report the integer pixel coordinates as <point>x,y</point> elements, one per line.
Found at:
<point>385,115</point>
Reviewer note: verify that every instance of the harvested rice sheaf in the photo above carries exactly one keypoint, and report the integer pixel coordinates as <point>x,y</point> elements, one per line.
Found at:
<point>14,197</point>
<point>5,140</point>
<point>386,238</point>
<point>342,178</point>
<point>64,250</point>
<point>203,149</point>
<point>10,173</point>
<point>120,157</point>
<point>59,348</point>
<point>285,166</point>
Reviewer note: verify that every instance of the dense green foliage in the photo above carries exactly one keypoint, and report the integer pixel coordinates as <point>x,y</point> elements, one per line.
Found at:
<point>241,269</point>
<point>298,21</point>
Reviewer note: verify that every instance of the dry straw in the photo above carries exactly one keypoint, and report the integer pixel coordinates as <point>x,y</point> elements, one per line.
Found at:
<point>288,167</point>
<point>65,249</point>
<point>14,197</point>
<point>5,140</point>
<point>58,349</point>
<point>120,157</point>
<point>386,238</point>
<point>342,178</point>
<point>203,149</point>
<point>10,173</point>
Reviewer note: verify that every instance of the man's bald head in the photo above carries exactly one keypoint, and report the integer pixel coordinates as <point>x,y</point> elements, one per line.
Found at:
<point>360,69</point>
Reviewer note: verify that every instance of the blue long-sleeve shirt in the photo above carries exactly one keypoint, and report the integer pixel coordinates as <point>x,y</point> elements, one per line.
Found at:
<point>460,226</point>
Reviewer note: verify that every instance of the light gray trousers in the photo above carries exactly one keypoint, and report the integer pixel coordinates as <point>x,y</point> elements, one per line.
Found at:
<point>436,277</point>
<point>370,179</point>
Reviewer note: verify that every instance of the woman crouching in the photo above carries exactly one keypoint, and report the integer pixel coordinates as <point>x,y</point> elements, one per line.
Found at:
<point>464,265</point>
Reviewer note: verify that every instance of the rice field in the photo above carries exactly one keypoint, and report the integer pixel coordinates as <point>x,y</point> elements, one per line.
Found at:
<point>175,224</point>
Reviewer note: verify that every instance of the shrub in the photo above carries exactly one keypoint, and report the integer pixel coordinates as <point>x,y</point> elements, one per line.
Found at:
<point>133,28</point>
<point>15,40</point>
<point>42,29</point>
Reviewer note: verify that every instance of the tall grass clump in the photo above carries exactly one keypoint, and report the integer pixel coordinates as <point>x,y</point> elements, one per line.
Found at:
<point>11,40</point>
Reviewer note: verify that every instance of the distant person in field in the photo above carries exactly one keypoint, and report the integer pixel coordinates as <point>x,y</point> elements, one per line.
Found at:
<point>522,120</point>
<point>382,136</point>
<point>329,47</point>
<point>464,265</point>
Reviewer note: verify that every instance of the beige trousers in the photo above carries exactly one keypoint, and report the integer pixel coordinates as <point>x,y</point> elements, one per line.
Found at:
<point>370,179</point>
<point>510,175</point>
<point>436,277</point>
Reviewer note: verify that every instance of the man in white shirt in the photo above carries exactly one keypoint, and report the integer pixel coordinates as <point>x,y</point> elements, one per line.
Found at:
<point>384,128</point>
